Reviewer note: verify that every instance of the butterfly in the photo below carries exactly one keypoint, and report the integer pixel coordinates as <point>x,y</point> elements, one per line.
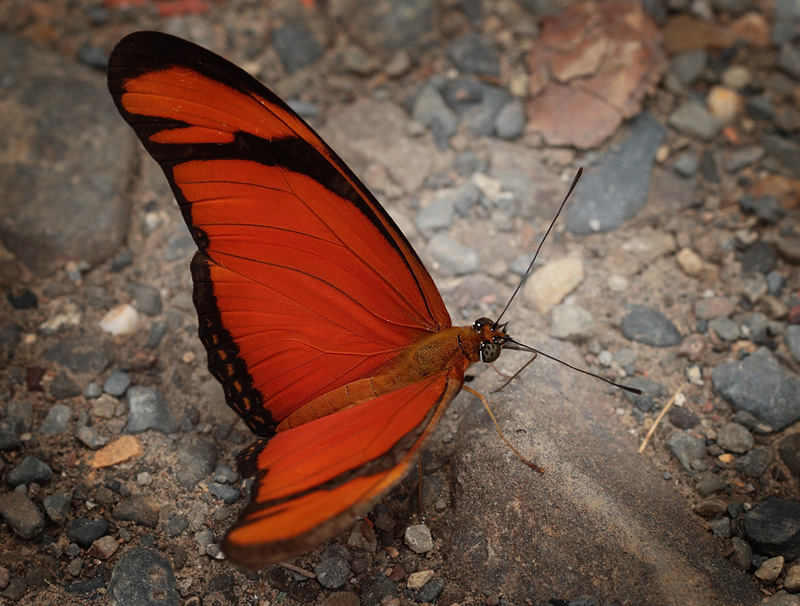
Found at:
<point>327,333</point>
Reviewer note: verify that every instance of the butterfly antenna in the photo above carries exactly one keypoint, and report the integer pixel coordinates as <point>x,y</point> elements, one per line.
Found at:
<point>536,254</point>
<point>512,344</point>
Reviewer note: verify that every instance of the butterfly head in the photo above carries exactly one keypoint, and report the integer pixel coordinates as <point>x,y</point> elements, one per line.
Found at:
<point>492,339</point>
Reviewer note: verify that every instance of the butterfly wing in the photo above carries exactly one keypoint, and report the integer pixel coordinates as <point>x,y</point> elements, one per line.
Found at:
<point>347,461</point>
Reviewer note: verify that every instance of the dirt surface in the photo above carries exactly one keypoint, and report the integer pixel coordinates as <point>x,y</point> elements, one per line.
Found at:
<point>688,213</point>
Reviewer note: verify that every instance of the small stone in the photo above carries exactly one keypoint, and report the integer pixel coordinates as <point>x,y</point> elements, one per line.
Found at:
<point>121,320</point>
<point>136,509</point>
<point>770,570</point>
<point>21,514</point>
<point>90,437</point>
<point>550,284</point>
<point>742,553</point>
<point>723,103</point>
<point>117,383</point>
<point>686,448</point>
<point>30,470</point>
<point>754,463</point>
<point>737,77</point>
<point>438,214</point>
<point>735,438</point>
<point>430,591</point>
<point>332,573</point>
<point>693,120</point>
<point>789,452</point>
<point>57,420</point>
<point>649,326</point>
<point>726,329</point>
<point>418,538</point>
<point>721,527</point>
<point>143,576</point>
<point>686,164</point>
<point>229,494</point>
<point>707,483</point>
<point>714,307</point>
<point>711,507</point>
<point>452,258</point>
<point>118,451</point>
<point>64,387</point>
<point>148,409</point>
<point>84,531</point>
<point>690,262</point>
<point>792,580</point>
<point>57,505</point>
<point>176,525</point>
<point>473,54</point>
<point>103,548</point>
<point>774,527</point>
<point>416,580</point>
<point>362,536</point>
<point>510,121</point>
<point>571,323</point>
<point>197,458</point>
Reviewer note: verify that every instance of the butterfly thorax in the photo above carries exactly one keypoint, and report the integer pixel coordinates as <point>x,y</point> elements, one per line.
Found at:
<point>451,351</point>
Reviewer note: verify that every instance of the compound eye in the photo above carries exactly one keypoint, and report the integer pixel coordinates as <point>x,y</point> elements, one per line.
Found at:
<point>480,323</point>
<point>489,351</point>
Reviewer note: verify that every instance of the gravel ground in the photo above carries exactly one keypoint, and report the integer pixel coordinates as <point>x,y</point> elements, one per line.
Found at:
<point>674,269</point>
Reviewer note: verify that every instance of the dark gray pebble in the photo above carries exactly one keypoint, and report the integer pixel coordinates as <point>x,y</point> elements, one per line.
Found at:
<point>686,164</point>
<point>117,383</point>
<point>8,435</point>
<point>16,589</point>
<point>754,463</point>
<point>157,332</point>
<point>430,591</point>
<point>136,509</point>
<point>694,120</point>
<point>735,438</point>
<point>81,354</point>
<point>721,527</point>
<point>332,573</point>
<point>84,531</point>
<point>376,590</point>
<point>176,525</point>
<point>296,45</point>
<point>688,66</point>
<point>792,339</point>
<point>649,326</point>
<point>146,298</point>
<point>143,577</point>
<point>773,527</point>
<point>686,448</point>
<point>789,452</point>
<point>742,553</point>
<point>57,420</point>
<point>759,257</point>
<point>229,494</point>
<point>682,417</point>
<point>148,409</point>
<point>57,505</point>
<point>90,437</point>
<point>761,386</point>
<point>64,387</point>
<point>473,54</point>
<point>651,390</point>
<point>30,470</point>
<point>224,474</point>
<point>89,587</point>
<point>725,328</point>
<point>21,514</point>
<point>707,483</point>
<point>197,458</point>
<point>510,120</point>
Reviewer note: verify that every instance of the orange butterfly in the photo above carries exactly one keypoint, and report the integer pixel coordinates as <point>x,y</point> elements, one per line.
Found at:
<point>325,329</point>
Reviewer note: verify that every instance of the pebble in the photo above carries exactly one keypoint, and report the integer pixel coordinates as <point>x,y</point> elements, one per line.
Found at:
<point>759,257</point>
<point>770,570</point>
<point>104,407</point>
<point>332,573</point>
<point>721,527</point>
<point>30,470</point>
<point>117,383</point>
<point>791,337</point>
<point>229,494</point>
<point>120,320</point>
<point>142,577</point>
<point>417,579</point>
<point>686,164</point>
<point>761,386</point>
<point>688,66</point>
<point>789,452</point>
<point>694,120</point>
<point>737,77</point>
<point>651,390</point>
<point>375,592</point>
<point>21,514</point>
<point>90,437</point>
<point>754,463</point>
<point>711,507</point>
<point>714,307</point>
<point>439,214</point>
<point>451,257</point>
<point>57,420</point>
<point>735,438</point>
<point>84,531</point>
<point>430,109</point>
<point>104,547</point>
<point>176,525</point>
<point>362,536</point>
<point>571,323</point>
<point>418,538</point>
<point>473,54</point>
<point>724,104</point>
<point>63,387</point>
<point>792,580</point>
<point>690,262</point>
<point>137,509</point>
<point>686,448</point>
<point>510,121</point>
<point>773,527</point>
<point>146,298</point>
<point>726,329</point>
<point>550,284</point>
<point>650,326</point>
<point>9,440</point>
<point>430,591</point>
<point>742,157</point>
<point>707,483</point>
<point>197,458</point>
<point>57,505</point>
<point>148,409</point>
<point>296,46</point>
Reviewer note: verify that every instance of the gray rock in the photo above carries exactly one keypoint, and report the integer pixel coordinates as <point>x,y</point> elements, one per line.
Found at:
<point>759,257</point>
<point>80,354</point>
<point>742,553</point>
<point>418,538</point>
<point>431,590</point>
<point>651,390</point>
<point>117,383</point>
<point>147,409</point>
<point>649,326</point>
<point>735,438</point>
<point>754,463</point>
<point>789,60</point>
<point>438,214</point>
<point>9,440</point>
<point>694,120</point>
<point>391,26</point>
<point>430,109</point>
<point>686,448</point>
<point>64,387</point>
<point>332,573</point>
<point>146,298</point>
<point>20,414</point>
<point>785,153</point>
<point>571,323</point>
<point>296,45</point>
<point>617,188</point>
<point>64,179</point>
<point>686,164</point>
<point>510,122</point>
<point>21,514</point>
<point>57,420</point>
<point>473,54</point>
<point>57,505</point>
<point>773,527</point>
<point>688,66</point>
<point>30,470</point>
<point>137,509</point>
<point>84,531</point>
<point>789,452</point>
<point>787,9</point>
<point>725,328</point>
<point>176,525</point>
<point>90,437</point>
<point>707,483</point>
<point>229,494</point>
<point>143,577</point>
<point>761,386</point>
<point>197,458</point>
<point>377,590</point>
